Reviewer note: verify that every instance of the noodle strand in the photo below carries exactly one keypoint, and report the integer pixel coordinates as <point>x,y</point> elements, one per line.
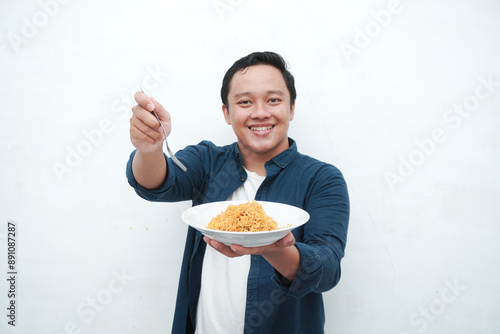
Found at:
<point>247,217</point>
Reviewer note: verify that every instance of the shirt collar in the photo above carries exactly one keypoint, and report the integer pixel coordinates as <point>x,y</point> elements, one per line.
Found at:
<point>284,158</point>
<point>281,160</point>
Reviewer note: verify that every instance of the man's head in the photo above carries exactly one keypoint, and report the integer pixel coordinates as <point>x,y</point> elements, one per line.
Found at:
<point>259,103</point>
<point>259,58</point>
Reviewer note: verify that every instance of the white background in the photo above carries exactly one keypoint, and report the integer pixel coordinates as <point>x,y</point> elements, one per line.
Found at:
<point>379,88</point>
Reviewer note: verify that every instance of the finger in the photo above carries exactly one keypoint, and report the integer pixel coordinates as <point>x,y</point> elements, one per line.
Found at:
<point>152,105</point>
<point>220,247</point>
<point>145,122</point>
<point>144,101</point>
<point>240,250</point>
<point>287,241</point>
<point>162,113</point>
<point>140,132</point>
<point>142,115</point>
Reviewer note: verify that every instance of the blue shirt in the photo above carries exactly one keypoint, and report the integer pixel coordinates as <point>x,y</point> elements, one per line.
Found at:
<point>274,305</point>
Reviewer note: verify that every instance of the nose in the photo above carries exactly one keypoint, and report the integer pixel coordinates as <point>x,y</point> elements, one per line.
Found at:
<point>260,111</point>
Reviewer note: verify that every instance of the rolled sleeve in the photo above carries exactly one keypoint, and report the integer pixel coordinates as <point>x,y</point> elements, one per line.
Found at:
<point>180,185</point>
<point>309,273</point>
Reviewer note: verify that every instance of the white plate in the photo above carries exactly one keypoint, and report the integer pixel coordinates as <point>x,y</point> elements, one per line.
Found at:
<point>199,216</point>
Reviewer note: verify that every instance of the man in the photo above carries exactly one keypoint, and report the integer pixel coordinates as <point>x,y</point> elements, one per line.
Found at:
<point>232,289</point>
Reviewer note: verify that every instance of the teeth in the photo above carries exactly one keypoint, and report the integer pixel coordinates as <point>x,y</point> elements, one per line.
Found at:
<point>261,128</point>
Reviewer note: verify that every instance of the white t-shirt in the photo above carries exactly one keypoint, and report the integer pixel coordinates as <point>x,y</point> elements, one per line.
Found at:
<point>223,294</point>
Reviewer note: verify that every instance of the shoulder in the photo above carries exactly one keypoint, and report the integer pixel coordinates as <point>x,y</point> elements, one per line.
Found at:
<point>310,165</point>
<point>325,186</point>
<point>316,166</point>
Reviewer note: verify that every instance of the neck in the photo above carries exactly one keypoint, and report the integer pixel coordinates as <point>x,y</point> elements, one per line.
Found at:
<point>255,162</point>
<point>255,166</point>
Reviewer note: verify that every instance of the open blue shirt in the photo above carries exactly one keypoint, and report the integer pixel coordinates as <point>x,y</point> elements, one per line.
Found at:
<point>274,305</point>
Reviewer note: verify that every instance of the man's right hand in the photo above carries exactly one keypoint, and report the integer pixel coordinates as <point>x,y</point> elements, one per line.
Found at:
<point>149,165</point>
<point>145,132</point>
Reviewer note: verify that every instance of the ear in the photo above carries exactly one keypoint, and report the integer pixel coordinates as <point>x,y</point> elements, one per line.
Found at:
<point>226,114</point>
<point>292,111</point>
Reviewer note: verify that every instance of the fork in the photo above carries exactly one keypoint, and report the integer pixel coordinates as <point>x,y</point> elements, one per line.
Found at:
<point>166,142</point>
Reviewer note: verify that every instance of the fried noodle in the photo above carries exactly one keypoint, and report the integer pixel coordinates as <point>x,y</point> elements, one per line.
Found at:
<point>246,217</point>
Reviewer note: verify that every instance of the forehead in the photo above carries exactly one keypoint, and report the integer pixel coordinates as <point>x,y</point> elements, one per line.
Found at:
<point>256,79</point>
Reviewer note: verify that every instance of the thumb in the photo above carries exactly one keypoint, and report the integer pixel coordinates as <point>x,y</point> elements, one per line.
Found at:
<point>287,241</point>
<point>162,113</point>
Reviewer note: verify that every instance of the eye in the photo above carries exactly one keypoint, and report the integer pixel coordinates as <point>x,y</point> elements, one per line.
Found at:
<point>274,100</point>
<point>244,102</point>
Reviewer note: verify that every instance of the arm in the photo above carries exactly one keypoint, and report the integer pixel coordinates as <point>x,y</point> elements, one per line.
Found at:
<point>324,237</point>
<point>149,166</point>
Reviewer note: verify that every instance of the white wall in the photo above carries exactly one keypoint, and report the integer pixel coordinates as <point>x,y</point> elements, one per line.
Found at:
<point>380,85</point>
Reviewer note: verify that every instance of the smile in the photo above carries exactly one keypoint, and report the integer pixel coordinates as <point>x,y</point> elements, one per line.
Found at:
<point>261,128</point>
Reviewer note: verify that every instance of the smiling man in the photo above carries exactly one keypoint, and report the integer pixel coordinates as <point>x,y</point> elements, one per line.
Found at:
<point>232,289</point>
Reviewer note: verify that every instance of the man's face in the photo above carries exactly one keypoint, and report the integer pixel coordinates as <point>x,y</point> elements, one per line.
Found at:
<point>259,111</point>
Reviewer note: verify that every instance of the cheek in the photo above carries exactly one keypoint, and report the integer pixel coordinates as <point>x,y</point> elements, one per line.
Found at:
<point>237,120</point>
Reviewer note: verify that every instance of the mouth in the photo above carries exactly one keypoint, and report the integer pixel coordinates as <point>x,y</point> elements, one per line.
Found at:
<point>261,128</point>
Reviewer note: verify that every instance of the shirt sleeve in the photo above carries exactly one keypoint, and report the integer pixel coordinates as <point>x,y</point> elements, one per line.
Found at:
<point>178,185</point>
<point>324,236</point>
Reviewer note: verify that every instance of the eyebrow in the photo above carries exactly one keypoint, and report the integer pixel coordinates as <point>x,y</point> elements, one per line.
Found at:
<point>279,92</point>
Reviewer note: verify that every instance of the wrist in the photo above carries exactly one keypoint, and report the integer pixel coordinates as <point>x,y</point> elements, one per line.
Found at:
<point>153,153</point>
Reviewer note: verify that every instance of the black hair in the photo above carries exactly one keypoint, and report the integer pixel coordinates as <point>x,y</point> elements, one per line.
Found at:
<point>259,58</point>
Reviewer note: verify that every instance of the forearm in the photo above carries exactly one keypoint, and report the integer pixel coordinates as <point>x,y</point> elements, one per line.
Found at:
<point>285,260</point>
<point>149,168</point>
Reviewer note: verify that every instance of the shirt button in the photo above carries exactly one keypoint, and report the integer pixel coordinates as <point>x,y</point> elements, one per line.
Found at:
<point>242,179</point>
